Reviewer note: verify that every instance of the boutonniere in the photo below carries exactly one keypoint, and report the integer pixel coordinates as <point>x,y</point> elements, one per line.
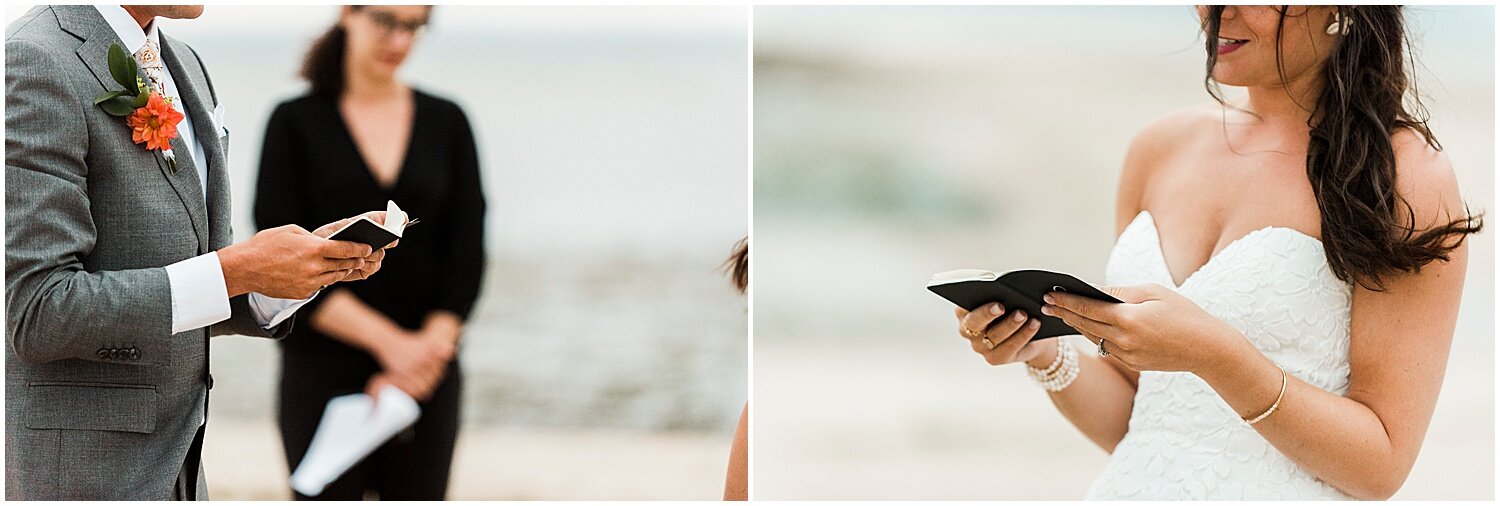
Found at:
<point>152,119</point>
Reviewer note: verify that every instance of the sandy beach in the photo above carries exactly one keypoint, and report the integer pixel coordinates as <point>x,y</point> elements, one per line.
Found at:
<point>649,418</point>
<point>244,463</point>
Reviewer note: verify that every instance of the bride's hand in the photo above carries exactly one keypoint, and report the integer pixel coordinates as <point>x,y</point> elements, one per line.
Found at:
<point>1155,329</point>
<point>1000,338</point>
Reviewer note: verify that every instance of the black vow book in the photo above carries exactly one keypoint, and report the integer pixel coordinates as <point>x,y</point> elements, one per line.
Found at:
<point>1022,289</point>
<point>365,230</point>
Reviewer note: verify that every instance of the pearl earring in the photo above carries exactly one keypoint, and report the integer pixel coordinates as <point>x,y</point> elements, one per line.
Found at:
<point>1339,26</point>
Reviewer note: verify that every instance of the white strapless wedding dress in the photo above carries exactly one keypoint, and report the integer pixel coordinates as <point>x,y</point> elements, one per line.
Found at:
<point>1184,441</point>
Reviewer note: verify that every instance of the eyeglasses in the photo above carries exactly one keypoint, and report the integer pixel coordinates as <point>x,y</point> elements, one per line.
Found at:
<point>389,24</point>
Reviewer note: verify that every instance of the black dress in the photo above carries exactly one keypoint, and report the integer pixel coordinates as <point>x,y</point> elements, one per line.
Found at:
<point>311,174</point>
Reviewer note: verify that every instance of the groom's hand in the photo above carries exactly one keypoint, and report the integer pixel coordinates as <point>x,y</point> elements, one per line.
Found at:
<point>372,262</point>
<point>289,262</point>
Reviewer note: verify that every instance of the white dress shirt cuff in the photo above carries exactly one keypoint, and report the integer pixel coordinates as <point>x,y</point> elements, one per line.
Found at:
<point>199,297</point>
<point>270,311</point>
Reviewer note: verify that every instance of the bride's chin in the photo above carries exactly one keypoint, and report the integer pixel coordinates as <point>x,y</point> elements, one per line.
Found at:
<point>1231,79</point>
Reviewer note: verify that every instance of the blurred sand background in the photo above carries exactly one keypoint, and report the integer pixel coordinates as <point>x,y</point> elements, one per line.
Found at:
<point>606,358</point>
<point>895,142</point>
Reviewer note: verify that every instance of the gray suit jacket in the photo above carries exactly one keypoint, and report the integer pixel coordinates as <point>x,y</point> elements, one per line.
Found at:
<point>102,400</point>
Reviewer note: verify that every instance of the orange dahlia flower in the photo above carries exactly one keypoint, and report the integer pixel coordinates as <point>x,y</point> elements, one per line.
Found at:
<point>154,123</point>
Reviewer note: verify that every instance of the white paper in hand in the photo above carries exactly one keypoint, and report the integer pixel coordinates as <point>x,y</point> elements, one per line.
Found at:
<point>353,426</point>
<point>395,218</point>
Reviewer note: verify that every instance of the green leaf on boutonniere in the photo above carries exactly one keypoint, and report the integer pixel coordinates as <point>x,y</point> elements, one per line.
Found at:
<point>122,67</point>
<point>107,96</point>
<point>119,105</point>
<point>140,100</point>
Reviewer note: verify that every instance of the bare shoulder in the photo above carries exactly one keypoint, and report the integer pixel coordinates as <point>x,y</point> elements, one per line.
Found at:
<point>1176,126</point>
<point>1155,143</point>
<point>1425,180</point>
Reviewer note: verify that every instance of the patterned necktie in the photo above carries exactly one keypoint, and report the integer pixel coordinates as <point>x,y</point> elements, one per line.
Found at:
<point>149,56</point>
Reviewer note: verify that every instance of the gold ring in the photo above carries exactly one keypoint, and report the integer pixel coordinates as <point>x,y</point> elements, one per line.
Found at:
<point>970,333</point>
<point>988,344</point>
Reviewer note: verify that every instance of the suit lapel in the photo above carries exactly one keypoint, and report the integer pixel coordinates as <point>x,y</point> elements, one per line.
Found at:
<point>185,71</point>
<point>86,23</point>
<point>185,181</point>
<point>95,54</point>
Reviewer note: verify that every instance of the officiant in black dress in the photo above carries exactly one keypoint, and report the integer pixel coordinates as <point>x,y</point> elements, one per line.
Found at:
<point>361,137</point>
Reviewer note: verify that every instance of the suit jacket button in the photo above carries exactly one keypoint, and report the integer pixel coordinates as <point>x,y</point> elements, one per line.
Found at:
<point>114,353</point>
<point>210,382</point>
<point>135,354</point>
<point>103,353</point>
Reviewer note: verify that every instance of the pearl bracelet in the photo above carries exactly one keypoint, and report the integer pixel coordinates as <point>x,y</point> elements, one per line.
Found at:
<point>1063,370</point>
<point>1051,369</point>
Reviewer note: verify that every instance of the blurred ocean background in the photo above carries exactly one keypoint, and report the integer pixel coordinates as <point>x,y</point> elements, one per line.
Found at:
<point>892,143</point>
<point>606,358</point>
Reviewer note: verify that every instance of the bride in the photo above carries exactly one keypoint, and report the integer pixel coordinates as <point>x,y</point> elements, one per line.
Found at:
<point>1291,267</point>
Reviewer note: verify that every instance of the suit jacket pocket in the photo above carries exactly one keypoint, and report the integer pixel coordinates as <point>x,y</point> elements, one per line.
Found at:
<point>91,406</point>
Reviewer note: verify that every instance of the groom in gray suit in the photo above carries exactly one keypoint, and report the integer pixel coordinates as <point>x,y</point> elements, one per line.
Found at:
<point>119,264</point>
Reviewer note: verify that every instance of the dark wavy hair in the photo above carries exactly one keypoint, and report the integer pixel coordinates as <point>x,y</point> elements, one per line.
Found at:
<point>1366,98</point>
<point>738,265</point>
<point>323,66</point>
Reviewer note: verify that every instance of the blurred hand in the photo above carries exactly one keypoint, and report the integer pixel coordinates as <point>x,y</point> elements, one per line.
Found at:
<point>444,334</point>
<point>442,325</point>
<point>1002,338</point>
<point>288,262</point>
<point>376,384</point>
<point>414,363</point>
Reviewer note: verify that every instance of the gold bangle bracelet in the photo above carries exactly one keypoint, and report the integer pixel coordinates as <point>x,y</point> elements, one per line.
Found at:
<point>1274,405</point>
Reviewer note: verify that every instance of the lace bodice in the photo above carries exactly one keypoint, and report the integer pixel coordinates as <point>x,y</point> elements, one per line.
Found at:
<point>1184,441</point>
